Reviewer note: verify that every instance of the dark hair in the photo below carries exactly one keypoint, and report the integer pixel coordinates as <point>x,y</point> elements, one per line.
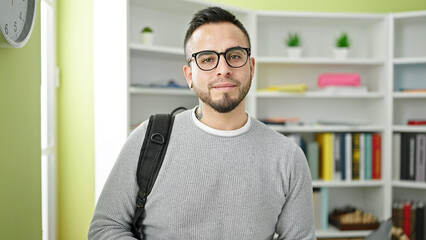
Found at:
<point>212,15</point>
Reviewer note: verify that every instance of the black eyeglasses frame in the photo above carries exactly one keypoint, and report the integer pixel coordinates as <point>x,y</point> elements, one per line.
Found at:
<point>194,56</point>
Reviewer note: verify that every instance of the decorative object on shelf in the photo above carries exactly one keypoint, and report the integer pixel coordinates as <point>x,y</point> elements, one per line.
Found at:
<point>351,218</point>
<point>147,36</point>
<point>342,46</point>
<point>294,49</point>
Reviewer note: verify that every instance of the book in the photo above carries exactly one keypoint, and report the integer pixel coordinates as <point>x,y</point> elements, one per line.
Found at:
<point>295,88</point>
<point>355,156</point>
<point>343,155</point>
<point>368,156</point>
<point>312,152</point>
<point>324,208</point>
<point>325,143</point>
<point>406,212</point>
<point>413,221</point>
<point>362,156</point>
<point>404,156</point>
<point>317,208</point>
<point>348,156</point>
<point>416,122</point>
<point>420,157</point>
<point>376,156</point>
<point>411,156</point>
<point>338,79</point>
<point>420,221</point>
<point>345,89</point>
<point>337,175</point>
<point>396,155</point>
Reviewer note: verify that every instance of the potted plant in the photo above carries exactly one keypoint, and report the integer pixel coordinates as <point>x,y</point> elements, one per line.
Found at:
<point>342,46</point>
<point>147,36</point>
<point>293,45</point>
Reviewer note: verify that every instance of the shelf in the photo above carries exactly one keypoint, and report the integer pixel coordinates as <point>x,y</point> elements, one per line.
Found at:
<point>320,94</point>
<point>409,184</point>
<point>406,60</point>
<point>349,61</point>
<point>156,49</point>
<point>161,91</point>
<point>326,128</point>
<point>344,184</point>
<point>333,232</point>
<point>406,128</point>
<point>402,95</point>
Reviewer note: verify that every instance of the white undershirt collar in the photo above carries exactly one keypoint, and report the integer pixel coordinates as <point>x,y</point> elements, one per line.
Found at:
<point>222,133</point>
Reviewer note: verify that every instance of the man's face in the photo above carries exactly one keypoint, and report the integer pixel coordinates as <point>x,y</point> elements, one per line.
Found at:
<point>223,88</point>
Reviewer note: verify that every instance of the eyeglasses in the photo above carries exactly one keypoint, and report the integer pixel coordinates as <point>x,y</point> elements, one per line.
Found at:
<point>235,57</point>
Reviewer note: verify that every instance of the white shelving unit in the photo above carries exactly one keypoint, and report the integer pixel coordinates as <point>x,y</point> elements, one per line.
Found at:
<point>408,55</point>
<point>380,62</point>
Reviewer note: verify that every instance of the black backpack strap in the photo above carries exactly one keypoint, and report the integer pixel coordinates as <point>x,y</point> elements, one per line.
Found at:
<point>150,159</point>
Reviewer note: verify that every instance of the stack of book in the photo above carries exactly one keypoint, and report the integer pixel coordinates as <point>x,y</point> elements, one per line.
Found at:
<point>409,156</point>
<point>344,156</point>
<point>410,216</point>
<point>341,82</point>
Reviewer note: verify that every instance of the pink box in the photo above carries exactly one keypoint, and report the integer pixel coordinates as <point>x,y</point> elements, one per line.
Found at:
<point>339,79</point>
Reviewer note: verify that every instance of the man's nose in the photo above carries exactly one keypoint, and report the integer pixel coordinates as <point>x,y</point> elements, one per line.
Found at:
<point>223,68</point>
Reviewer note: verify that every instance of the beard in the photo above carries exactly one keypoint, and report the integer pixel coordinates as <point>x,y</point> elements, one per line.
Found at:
<point>226,103</point>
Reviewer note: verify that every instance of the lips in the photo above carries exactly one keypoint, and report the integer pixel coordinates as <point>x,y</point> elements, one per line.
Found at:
<point>224,85</point>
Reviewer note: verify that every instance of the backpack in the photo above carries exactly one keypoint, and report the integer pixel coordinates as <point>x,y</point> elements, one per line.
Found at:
<point>150,160</point>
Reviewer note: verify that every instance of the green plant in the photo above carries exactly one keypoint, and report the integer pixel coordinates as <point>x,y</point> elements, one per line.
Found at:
<point>343,41</point>
<point>146,30</point>
<point>293,40</point>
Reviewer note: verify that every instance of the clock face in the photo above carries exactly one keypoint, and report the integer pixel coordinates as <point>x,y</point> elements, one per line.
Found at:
<point>16,21</point>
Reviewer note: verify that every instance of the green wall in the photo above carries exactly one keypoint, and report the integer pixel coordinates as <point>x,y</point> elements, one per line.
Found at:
<point>367,6</point>
<point>75,96</point>
<point>20,151</point>
<point>75,119</point>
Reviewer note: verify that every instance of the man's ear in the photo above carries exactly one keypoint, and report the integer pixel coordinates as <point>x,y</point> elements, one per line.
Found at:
<point>187,70</point>
<point>252,64</point>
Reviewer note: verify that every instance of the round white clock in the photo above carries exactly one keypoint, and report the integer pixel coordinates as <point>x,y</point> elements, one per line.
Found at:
<point>16,22</point>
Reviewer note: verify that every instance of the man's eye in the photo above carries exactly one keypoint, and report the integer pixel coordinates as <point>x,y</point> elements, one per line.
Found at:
<point>234,57</point>
<point>207,60</point>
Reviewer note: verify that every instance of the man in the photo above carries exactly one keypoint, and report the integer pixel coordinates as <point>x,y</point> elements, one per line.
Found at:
<point>225,175</point>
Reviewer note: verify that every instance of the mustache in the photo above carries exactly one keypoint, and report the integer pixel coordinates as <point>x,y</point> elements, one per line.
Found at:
<point>220,80</point>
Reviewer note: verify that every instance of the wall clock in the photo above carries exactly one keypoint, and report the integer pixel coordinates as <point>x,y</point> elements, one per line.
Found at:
<point>16,22</point>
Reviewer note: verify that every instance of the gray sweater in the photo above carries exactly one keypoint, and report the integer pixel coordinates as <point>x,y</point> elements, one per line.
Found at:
<point>242,184</point>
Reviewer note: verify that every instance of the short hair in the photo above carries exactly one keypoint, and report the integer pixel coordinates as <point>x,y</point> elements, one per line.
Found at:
<point>212,15</point>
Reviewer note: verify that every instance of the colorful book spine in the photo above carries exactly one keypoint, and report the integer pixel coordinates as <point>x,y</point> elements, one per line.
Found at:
<point>367,156</point>
<point>355,156</point>
<point>406,218</point>
<point>325,142</point>
<point>413,221</point>
<point>377,156</point>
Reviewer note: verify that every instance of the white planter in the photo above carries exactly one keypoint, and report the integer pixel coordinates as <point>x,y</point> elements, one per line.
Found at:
<point>341,53</point>
<point>147,38</point>
<point>294,52</point>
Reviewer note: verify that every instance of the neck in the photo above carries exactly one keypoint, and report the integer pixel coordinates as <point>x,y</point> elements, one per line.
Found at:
<point>222,121</point>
